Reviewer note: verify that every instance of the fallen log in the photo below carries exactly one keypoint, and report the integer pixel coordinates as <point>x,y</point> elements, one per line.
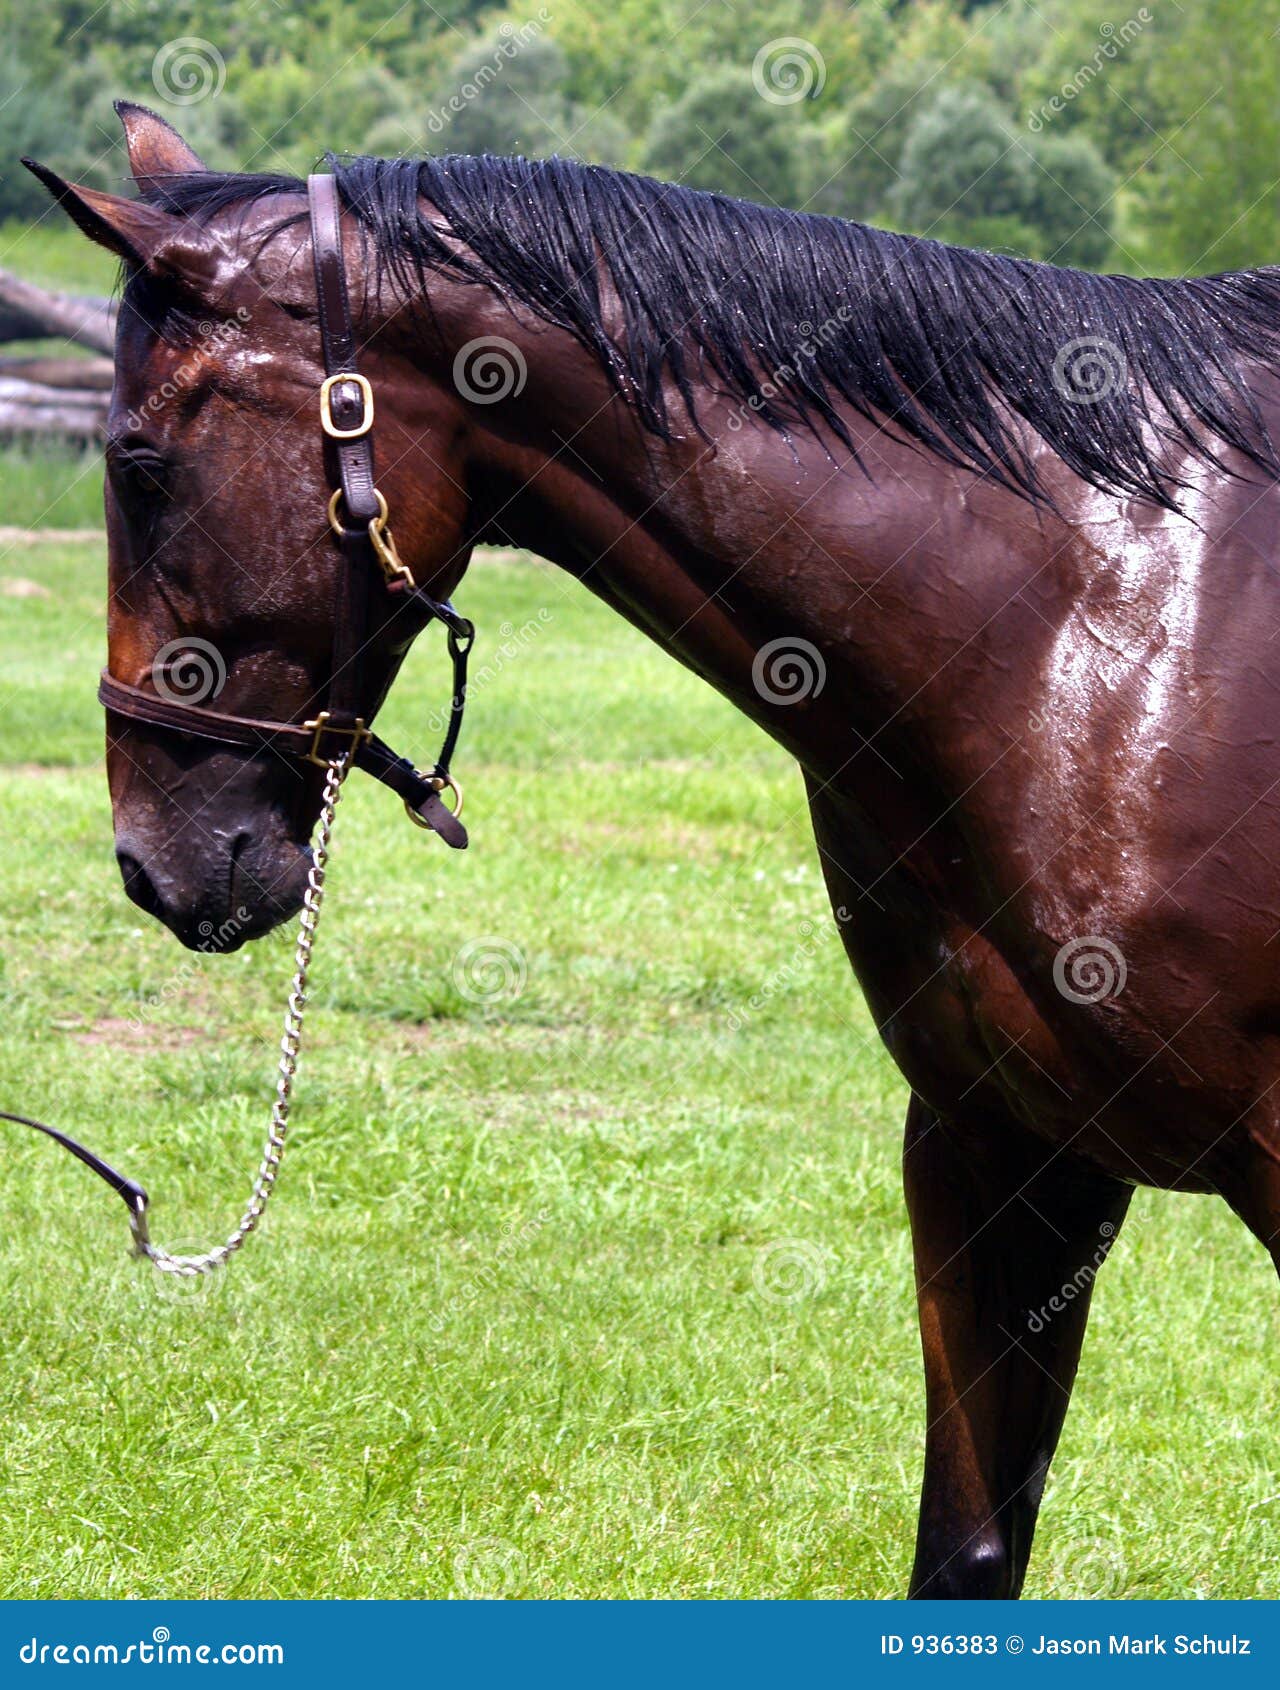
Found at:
<point>28,408</point>
<point>95,374</point>
<point>31,313</point>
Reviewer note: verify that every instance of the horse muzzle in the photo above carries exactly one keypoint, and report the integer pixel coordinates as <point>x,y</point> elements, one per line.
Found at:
<point>216,899</point>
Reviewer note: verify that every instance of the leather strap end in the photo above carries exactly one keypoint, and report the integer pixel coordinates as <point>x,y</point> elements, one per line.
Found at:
<point>437,815</point>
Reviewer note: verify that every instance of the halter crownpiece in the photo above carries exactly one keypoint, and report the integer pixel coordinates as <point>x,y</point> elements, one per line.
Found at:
<point>358,519</point>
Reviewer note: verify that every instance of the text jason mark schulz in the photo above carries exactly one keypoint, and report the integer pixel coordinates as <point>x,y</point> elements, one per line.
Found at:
<point>1179,1645</point>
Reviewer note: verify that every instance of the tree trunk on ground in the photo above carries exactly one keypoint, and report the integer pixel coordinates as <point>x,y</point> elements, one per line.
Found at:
<point>89,374</point>
<point>30,408</point>
<point>31,313</point>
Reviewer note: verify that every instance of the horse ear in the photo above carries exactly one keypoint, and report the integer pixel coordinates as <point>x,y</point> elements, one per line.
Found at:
<point>142,235</point>
<point>156,150</point>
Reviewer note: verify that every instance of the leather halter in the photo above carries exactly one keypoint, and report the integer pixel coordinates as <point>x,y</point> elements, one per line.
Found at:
<point>358,518</point>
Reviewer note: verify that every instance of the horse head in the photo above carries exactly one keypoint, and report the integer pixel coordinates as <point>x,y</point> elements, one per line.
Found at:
<point>225,573</point>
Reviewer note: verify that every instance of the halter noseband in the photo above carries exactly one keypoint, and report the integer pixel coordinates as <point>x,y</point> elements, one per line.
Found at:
<point>369,551</point>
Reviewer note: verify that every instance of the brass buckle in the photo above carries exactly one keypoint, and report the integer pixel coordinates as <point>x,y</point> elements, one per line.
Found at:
<point>320,725</point>
<point>441,783</point>
<point>326,406</point>
<point>380,538</point>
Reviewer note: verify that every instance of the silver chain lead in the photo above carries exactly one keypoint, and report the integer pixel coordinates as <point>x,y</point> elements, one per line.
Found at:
<point>273,1151</point>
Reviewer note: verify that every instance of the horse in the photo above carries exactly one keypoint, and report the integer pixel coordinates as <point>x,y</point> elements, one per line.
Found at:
<point>987,545</point>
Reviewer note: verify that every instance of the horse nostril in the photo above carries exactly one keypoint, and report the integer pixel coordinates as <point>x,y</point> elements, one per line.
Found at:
<point>139,884</point>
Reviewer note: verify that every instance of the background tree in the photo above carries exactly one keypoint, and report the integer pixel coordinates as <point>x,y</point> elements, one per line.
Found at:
<point>929,113</point>
<point>1070,201</point>
<point>1212,197</point>
<point>724,136</point>
<point>866,145</point>
<point>963,176</point>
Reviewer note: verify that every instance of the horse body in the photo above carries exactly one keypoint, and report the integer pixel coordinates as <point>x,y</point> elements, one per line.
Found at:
<point>1107,676</point>
<point>1041,760</point>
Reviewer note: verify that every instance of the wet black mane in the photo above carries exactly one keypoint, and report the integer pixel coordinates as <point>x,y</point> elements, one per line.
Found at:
<point>796,316</point>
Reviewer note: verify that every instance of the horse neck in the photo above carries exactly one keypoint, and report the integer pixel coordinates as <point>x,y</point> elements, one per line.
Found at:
<point>731,538</point>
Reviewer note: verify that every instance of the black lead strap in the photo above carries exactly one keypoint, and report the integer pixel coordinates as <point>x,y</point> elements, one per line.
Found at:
<point>129,1191</point>
<point>461,638</point>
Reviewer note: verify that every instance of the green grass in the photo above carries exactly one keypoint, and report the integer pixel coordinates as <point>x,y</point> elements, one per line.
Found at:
<point>50,485</point>
<point>508,1327</point>
<point>54,254</point>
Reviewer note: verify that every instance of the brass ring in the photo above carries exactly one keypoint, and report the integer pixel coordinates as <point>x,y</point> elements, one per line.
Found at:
<point>440,782</point>
<point>380,519</point>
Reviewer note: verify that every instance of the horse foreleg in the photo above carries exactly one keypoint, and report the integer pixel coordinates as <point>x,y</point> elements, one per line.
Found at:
<point>1007,1243</point>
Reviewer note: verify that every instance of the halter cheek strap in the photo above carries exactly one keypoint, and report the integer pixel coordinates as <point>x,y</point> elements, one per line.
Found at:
<point>358,518</point>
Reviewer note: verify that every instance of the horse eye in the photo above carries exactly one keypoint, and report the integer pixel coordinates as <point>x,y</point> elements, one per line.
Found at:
<point>141,469</point>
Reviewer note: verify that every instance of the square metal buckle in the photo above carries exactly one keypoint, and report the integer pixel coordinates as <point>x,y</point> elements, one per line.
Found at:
<point>319,726</point>
<point>327,422</point>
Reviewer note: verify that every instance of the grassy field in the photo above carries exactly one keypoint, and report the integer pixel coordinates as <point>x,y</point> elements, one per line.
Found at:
<point>53,254</point>
<point>594,1284</point>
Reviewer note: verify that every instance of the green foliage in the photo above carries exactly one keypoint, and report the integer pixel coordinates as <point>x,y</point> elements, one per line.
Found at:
<point>1213,191</point>
<point>508,93</point>
<point>502,97</point>
<point>31,123</point>
<point>963,176</point>
<point>1069,200</point>
<point>868,143</point>
<point>1057,127</point>
<point>723,135</point>
<point>966,176</point>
